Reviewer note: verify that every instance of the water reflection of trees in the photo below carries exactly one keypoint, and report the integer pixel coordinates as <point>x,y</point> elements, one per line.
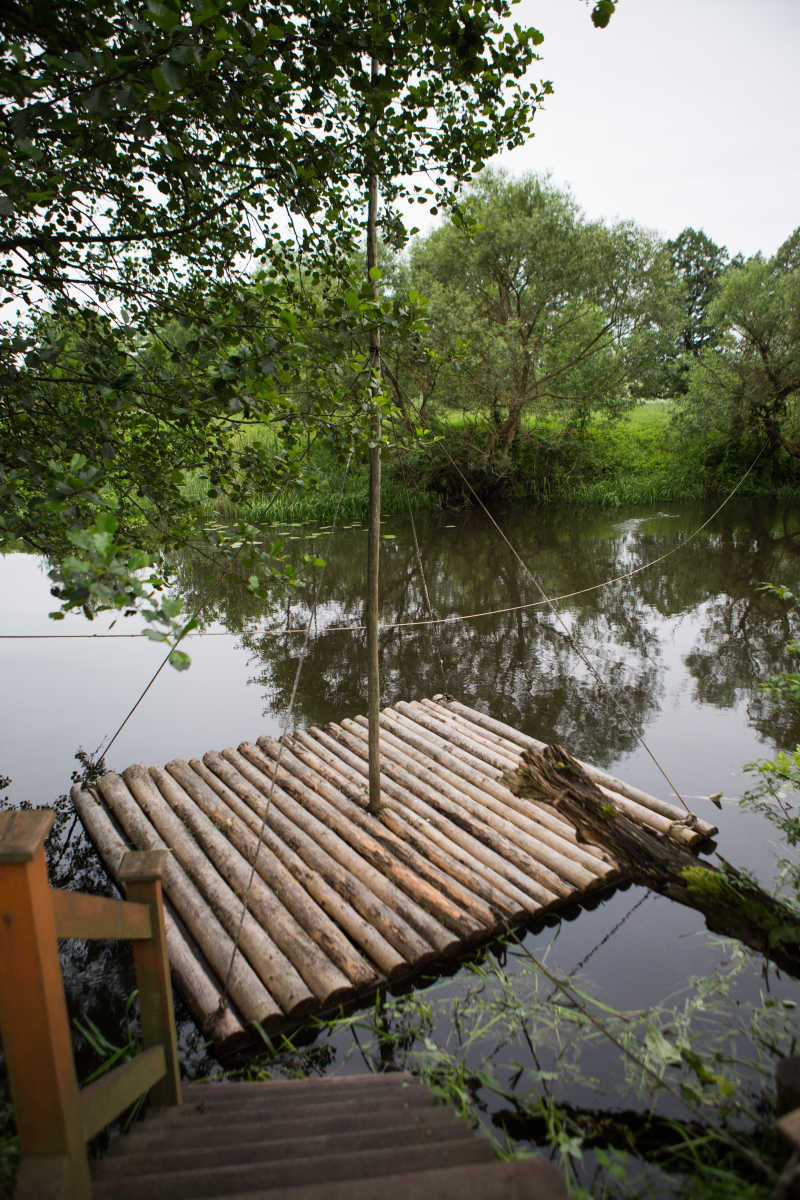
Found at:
<point>744,630</point>
<point>521,666</point>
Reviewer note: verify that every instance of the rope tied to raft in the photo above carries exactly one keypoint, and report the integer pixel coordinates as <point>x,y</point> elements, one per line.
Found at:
<point>569,633</point>
<point>223,998</point>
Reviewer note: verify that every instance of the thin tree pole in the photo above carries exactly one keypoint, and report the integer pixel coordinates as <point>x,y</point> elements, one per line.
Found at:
<point>374,537</point>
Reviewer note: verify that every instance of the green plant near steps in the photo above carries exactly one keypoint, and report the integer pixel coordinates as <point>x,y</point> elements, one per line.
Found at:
<point>512,1044</point>
<point>110,1055</point>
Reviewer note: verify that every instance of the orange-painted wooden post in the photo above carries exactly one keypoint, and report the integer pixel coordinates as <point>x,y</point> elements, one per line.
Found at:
<point>141,871</point>
<point>33,1018</point>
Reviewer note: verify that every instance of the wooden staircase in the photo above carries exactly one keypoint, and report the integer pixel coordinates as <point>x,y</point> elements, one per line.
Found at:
<point>315,1139</point>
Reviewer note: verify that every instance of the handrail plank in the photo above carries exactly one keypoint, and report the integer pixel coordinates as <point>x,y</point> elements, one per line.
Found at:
<point>111,1094</point>
<point>79,915</point>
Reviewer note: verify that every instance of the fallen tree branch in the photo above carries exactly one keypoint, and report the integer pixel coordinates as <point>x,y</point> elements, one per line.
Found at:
<point>732,903</point>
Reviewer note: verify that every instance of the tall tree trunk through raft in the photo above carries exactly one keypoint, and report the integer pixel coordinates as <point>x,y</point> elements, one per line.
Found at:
<point>731,903</point>
<point>374,538</point>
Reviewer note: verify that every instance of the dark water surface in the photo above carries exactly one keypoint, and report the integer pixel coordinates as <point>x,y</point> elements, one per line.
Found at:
<point>680,649</point>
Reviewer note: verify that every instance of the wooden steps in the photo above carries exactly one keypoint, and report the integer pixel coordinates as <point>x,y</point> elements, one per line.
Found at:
<point>343,1138</point>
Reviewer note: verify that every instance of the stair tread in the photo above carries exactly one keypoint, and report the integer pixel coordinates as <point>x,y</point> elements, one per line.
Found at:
<point>224,1180</point>
<point>528,1179</point>
<point>196,1152</point>
<point>268,1128</point>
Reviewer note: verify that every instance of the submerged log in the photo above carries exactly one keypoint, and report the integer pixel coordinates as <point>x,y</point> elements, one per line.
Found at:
<point>731,903</point>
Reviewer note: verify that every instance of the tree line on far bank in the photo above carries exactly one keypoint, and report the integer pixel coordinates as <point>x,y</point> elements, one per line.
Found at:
<point>539,320</point>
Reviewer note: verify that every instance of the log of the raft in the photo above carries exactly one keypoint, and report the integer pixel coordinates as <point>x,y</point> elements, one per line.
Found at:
<point>429,887</point>
<point>425,822</point>
<point>429,869</point>
<point>342,748</point>
<point>248,992</point>
<point>681,824</point>
<point>557,855</point>
<point>403,842</point>
<point>270,898</point>
<point>731,903</point>
<point>259,845</point>
<point>600,777</point>
<point>199,988</point>
<point>479,745</point>
<point>393,921</point>
<point>305,775</point>
<point>520,867</point>
<point>481,897</point>
<point>278,974</point>
<point>346,899</point>
<point>469,854</point>
<point>484,736</point>
<point>484,786</point>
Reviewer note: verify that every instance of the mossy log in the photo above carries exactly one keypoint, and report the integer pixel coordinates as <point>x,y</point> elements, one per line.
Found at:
<point>732,904</point>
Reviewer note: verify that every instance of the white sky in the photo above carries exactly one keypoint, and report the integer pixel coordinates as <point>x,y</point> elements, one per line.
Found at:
<point>681,112</point>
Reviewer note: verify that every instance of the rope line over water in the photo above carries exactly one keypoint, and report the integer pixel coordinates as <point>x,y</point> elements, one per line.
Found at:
<point>453,618</point>
<point>551,603</point>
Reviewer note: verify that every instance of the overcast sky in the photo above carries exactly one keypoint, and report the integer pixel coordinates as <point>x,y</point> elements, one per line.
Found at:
<point>681,112</point>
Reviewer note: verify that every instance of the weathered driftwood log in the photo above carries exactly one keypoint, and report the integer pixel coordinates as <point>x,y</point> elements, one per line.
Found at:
<point>731,903</point>
<point>523,741</point>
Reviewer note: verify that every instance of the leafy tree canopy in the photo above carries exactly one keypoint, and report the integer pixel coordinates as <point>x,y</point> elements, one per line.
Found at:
<point>749,386</point>
<point>532,306</point>
<point>151,151</point>
<point>699,264</point>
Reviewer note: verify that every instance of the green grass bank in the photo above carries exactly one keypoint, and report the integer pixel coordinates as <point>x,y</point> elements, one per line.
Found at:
<point>644,457</point>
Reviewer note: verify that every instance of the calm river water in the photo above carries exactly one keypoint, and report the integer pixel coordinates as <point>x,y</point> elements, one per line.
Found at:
<point>680,648</point>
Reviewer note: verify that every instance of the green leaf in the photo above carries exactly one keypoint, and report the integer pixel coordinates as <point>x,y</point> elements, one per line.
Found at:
<point>180,660</point>
<point>172,606</point>
<point>602,13</point>
<point>106,522</point>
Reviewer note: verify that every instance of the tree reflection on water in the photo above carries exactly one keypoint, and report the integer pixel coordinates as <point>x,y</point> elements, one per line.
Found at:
<point>523,664</point>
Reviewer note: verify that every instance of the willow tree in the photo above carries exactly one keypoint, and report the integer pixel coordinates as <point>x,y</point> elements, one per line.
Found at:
<point>535,309</point>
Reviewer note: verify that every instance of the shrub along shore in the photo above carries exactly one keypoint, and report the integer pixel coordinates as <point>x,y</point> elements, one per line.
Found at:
<point>644,457</point>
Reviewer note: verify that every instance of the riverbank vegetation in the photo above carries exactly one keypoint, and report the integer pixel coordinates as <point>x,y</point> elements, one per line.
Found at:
<point>647,455</point>
<point>525,351</point>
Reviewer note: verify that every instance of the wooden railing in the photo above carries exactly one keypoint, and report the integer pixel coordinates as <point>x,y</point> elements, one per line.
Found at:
<point>55,1118</point>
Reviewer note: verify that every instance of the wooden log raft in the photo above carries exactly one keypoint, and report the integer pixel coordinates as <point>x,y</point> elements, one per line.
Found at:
<point>291,895</point>
<point>730,902</point>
